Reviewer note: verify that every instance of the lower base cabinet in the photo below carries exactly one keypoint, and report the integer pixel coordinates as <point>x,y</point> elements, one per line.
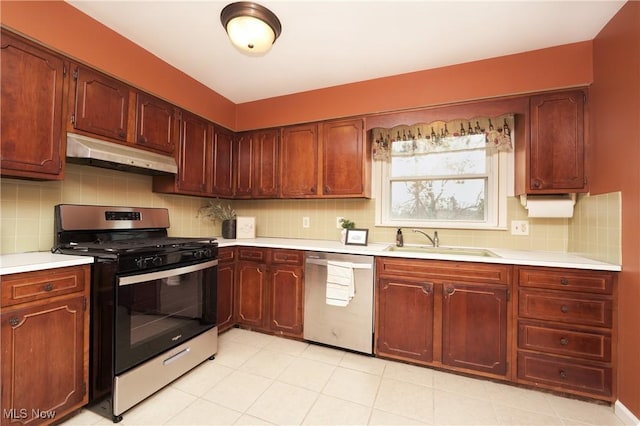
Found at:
<point>226,286</point>
<point>44,335</point>
<point>446,314</point>
<point>270,290</point>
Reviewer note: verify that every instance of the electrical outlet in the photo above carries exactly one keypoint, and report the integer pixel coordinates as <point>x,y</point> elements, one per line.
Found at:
<point>338,220</point>
<point>519,227</point>
<point>306,222</point>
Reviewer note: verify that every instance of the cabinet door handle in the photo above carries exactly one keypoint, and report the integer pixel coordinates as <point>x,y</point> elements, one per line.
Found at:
<point>564,281</point>
<point>564,309</point>
<point>313,189</point>
<point>13,321</point>
<point>450,290</point>
<point>563,374</point>
<point>564,341</point>
<point>536,183</point>
<point>48,287</point>
<point>122,134</point>
<point>327,189</point>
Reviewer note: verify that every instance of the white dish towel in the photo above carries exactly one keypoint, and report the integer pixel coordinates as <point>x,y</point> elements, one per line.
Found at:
<point>340,283</point>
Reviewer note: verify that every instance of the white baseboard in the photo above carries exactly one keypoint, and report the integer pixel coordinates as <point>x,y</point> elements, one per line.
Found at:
<point>625,415</point>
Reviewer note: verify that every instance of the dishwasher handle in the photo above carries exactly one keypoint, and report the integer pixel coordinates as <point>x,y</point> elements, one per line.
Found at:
<point>354,265</point>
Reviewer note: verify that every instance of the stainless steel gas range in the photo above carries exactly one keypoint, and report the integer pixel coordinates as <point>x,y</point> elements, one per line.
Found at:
<point>153,300</point>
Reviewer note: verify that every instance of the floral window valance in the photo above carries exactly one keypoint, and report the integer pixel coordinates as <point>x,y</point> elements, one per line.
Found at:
<point>439,135</point>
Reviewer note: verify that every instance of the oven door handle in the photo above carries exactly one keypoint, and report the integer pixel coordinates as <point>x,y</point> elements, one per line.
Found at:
<point>135,279</point>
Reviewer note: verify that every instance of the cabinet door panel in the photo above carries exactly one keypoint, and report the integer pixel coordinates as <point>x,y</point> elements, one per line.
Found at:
<point>43,351</point>
<point>244,165</point>
<point>557,141</point>
<point>31,120</point>
<point>250,294</point>
<point>102,104</point>
<point>226,278</point>
<point>222,163</point>
<point>287,300</point>
<point>266,164</point>
<point>299,161</point>
<point>156,124</point>
<point>194,152</point>
<point>343,160</point>
<point>474,327</point>
<point>405,319</point>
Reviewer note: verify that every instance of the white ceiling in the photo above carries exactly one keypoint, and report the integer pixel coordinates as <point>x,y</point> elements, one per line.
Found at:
<point>328,43</point>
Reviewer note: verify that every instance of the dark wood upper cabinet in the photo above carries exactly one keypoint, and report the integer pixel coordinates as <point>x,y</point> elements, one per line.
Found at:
<point>157,124</point>
<point>299,161</point>
<point>557,151</point>
<point>33,81</point>
<point>101,104</point>
<point>222,166</point>
<point>257,164</point>
<point>346,161</point>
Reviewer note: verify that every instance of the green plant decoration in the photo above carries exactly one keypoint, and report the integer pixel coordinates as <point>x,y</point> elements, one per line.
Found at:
<point>216,211</point>
<point>347,224</point>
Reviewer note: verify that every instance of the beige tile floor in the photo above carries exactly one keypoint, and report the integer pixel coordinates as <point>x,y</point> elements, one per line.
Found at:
<point>259,379</point>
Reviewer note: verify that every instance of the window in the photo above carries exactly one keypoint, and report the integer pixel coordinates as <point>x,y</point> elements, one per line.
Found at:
<point>444,181</point>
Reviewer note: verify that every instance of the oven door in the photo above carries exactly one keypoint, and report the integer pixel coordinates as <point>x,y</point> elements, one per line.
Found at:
<point>159,310</point>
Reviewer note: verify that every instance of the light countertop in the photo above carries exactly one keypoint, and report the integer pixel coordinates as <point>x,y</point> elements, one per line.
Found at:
<point>503,256</point>
<point>36,261</point>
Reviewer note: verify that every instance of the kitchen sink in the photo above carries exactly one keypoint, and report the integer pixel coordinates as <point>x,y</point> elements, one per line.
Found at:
<point>454,251</point>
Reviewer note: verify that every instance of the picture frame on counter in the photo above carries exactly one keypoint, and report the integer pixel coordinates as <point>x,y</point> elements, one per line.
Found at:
<point>357,237</point>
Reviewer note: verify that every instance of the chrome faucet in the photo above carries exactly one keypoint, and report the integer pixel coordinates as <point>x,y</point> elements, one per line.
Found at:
<point>435,240</point>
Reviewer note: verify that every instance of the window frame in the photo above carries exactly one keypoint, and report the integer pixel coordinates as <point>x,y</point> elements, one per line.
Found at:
<point>500,186</point>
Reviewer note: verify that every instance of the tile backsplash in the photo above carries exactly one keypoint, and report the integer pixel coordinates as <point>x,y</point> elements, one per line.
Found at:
<point>26,216</point>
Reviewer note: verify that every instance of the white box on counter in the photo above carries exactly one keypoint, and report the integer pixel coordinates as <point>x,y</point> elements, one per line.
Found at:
<point>245,227</point>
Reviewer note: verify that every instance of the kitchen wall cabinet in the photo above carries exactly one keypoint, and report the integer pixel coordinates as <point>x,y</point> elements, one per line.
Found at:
<point>194,159</point>
<point>99,105</point>
<point>257,164</point>
<point>299,161</point>
<point>157,124</point>
<point>555,156</point>
<point>454,314</point>
<point>32,90</point>
<point>330,159</point>
<point>346,159</point>
<point>226,286</point>
<point>45,344</point>
<point>222,162</point>
<point>566,338</point>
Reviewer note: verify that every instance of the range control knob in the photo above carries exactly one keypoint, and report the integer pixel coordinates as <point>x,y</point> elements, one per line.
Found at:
<point>197,254</point>
<point>156,261</point>
<point>207,252</point>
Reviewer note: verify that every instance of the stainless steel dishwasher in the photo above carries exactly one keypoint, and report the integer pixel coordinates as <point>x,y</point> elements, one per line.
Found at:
<point>350,326</point>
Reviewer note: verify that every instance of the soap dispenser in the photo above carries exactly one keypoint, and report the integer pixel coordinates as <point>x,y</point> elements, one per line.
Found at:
<point>399,238</point>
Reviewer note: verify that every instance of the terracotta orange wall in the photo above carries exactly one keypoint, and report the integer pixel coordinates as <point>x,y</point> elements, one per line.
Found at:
<point>615,108</point>
<point>64,28</point>
<point>557,67</point>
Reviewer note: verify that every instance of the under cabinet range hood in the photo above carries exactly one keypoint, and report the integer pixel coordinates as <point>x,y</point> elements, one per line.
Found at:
<point>94,152</point>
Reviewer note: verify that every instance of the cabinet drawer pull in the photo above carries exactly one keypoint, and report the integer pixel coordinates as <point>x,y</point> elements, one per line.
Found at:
<point>13,321</point>
<point>564,281</point>
<point>564,341</point>
<point>563,374</point>
<point>564,309</point>
<point>48,287</point>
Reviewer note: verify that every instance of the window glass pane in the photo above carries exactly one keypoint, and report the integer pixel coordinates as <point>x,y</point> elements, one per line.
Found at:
<point>447,199</point>
<point>442,163</point>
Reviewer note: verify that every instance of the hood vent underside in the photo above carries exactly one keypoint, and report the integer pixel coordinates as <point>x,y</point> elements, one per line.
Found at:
<point>94,152</point>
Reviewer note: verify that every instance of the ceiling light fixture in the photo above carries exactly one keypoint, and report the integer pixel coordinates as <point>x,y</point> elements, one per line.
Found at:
<point>251,27</point>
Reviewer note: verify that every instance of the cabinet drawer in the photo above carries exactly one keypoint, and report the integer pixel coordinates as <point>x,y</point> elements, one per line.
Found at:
<point>567,374</point>
<point>226,254</point>
<point>252,253</point>
<point>287,257</point>
<point>29,286</point>
<point>568,308</point>
<point>565,279</point>
<point>556,340</point>
<point>433,269</point>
